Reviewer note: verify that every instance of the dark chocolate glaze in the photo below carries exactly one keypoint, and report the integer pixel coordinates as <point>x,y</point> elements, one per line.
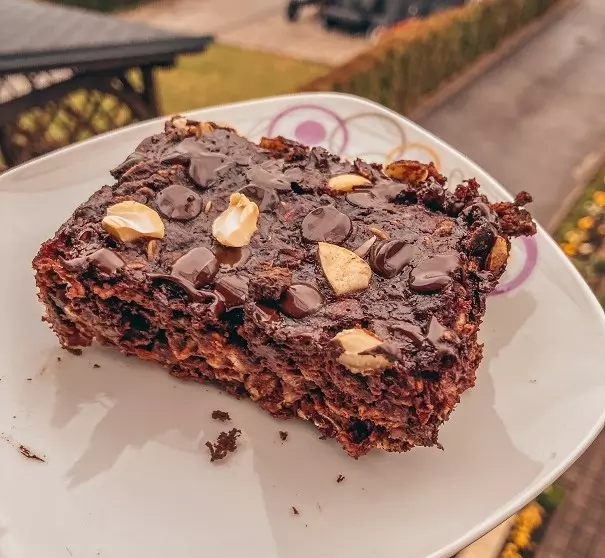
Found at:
<point>179,202</point>
<point>433,274</point>
<point>233,289</point>
<point>388,258</point>
<point>300,301</point>
<point>326,224</point>
<point>276,279</point>
<point>104,260</point>
<point>199,266</point>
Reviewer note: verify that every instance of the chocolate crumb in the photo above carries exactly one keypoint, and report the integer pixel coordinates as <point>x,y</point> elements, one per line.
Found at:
<point>340,478</point>
<point>296,512</point>
<point>221,415</point>
<point>29,454</point>
<point>95,365</point>
<point>225,443</point>
<point>283,435</point>
<point>28,379</point>
<point>58,359</point>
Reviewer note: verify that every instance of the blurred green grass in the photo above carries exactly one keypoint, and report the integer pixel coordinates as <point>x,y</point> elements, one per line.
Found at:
<point>225,74</point>
<point>221,74</point>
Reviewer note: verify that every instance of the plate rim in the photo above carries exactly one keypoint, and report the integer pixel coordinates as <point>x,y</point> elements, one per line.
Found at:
<point>534,488</point>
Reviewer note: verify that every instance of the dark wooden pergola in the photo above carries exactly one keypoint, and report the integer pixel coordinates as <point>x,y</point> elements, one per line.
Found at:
<point>67,74</point>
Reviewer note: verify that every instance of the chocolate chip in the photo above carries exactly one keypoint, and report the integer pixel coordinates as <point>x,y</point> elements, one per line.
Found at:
<point>203,168</point>
<point>198,266</point>
<point>482,239</point>
<point>388,258</point>
<point>479,210</point>
<point>203,165</point>
<point>231,258</point>
<point>433,196</point>
<point>266,199</point>
<point>437,336</point>
<point>326,224</point>
<point>131,161</point>
<point>301,300</point>
<point>410,331</point>
<point>178,202</point>
<point>234,290</point>
<point>269,177</point>
<point>364,200</point>
<point>104,260</point>
<point>264,314</point>
<point>432,274</point>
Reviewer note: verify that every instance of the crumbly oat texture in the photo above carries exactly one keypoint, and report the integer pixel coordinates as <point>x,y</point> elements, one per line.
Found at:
<point>225,444</point>
<point>353,303</point>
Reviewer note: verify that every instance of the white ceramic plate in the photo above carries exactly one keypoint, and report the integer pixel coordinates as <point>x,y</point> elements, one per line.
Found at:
<point>126,471</point>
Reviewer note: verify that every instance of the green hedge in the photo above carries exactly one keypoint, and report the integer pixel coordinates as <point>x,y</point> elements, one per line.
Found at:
<point>100,5</point>
<point>411,62</point>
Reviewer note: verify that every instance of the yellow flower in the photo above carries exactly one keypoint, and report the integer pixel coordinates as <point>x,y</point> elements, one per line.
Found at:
<point>586,223</point>
<point>510,551</point>
<point>599,198</point>
<point>569,249</point>
<point>522,540</point>
<point>575,236</point>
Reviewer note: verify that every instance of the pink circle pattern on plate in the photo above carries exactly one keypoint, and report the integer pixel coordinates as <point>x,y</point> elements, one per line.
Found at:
<point>312,131</point>
<point>312,126</point>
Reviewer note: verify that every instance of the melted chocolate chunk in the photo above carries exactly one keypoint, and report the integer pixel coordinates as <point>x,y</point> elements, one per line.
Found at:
<point>380,196</point>
<point>436,335</point>
<point>365,200</point>
<point>132,160</point>
<point>198,266</point>
<point>410,331</point>
<point>203,164</point>
<point>480,210</point>
<point>214,301</point>
<point>432,274</point>
<point>234,289</point>
<point>269,177</point>
<point>326,224</point>
<point>104,260</point>
<point>300,301</point>
<point>266,198</point>
<point>204,167</point>
<point>482,239</point>
<point>232,258</point>
<point>388,258</point>
<point>264,314</point>
<point>178,202</point>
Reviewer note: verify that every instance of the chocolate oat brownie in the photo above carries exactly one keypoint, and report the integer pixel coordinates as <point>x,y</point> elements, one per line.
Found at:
<point>344,293</point>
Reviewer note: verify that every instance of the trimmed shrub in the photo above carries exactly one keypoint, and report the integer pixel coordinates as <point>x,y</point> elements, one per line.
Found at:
<point>99,5</point>
<point>415,60</point>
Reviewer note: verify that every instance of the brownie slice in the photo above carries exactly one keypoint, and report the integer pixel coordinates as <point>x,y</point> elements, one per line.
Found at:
<point>344,293</point>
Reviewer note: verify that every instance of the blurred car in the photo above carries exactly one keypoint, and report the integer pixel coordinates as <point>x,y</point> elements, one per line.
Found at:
<point>370,16</point>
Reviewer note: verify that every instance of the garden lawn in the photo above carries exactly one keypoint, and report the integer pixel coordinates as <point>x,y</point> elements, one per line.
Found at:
<point>225,74</point>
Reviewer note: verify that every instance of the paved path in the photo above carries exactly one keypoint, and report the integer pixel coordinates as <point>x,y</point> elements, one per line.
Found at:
<point>254,24</point>
<point>534,118</point>
<point>578,529</point>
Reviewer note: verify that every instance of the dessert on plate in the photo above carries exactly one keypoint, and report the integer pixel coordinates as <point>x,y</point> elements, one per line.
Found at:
<point>345,293</point>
